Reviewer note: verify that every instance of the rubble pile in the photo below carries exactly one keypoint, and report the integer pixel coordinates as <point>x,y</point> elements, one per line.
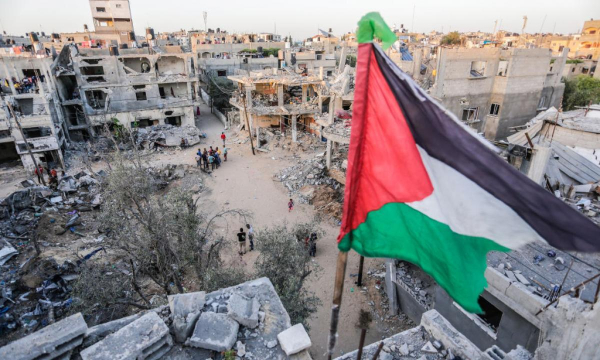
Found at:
<point>245,321</point>
<point>416,283</point>
<point>271,139</point>
<point>167,136</point>
<point>584,198</point>
<point>340,127</point>
<point>36,290</point>
<point>308,172</point>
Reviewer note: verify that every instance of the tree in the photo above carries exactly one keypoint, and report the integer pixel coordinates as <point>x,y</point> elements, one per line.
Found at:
<point>220,90</point>
<point>284,259</point>
<point>452,38</point>
<point>580,91</point>
<point>163,232</point>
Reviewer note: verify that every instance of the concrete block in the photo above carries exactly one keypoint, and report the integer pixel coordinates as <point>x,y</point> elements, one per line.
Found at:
<point>440,328</point>
<point>53,341</point>
<point>244,310</point>
<point>146,338</point>
<point>302,355</point>
<point>99,332</point>
<point>186,309</point>
<point>214,331</point>
<point>294,340</point>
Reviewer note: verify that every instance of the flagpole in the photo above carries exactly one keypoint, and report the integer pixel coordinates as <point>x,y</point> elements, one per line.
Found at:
<point>340,274</point>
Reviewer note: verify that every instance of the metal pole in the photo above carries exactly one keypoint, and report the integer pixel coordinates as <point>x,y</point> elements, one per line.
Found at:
<point>248,123</point>
<point>360,270</point>
<point>26,143</point>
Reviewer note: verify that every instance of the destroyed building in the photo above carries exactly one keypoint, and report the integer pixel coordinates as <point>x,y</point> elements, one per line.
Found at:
<point>112,20</point>
<point>247,320</point>
<point>30,98</point>
<point>492,89</point>
<point>280,99</point>
<point>130,87</point>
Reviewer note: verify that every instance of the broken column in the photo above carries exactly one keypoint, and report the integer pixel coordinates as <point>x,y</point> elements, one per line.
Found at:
<point>243,310</point>
<point>390,285</point>
<point>53,341</point>
<point>328,154</point>
<point>147,337</point>
<point>279,95</point>
<point>304,93</point>
<point>294,128</point>
<point>186,309</point>
<point>214,331</point>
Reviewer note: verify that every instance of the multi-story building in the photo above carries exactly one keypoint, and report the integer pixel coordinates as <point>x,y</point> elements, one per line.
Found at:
<point>135,88</point>
<point>493,90</point>
<point>30,118</point>
<point>112,18</point>
<point>589,41</point>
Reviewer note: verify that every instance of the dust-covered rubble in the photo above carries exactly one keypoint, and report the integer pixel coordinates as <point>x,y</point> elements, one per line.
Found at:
<point>167,136</point>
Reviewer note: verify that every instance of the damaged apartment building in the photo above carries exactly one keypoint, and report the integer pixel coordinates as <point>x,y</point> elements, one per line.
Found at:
<point>493,89</point>
<point>30,118</point>
<point>277,98</point>
<point>130,87</point>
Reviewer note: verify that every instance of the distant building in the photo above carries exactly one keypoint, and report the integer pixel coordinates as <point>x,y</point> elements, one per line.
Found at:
<point>112,17</point>
<point>493,90</point>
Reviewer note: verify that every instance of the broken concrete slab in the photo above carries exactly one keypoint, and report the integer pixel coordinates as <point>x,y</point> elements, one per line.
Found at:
<point>244,310</point>
<point>429,348</point>
<point>6,252</point>
<point>186,309</point>
<point>214,331</point>
<point>53,341</point>
<point>146,338</point>
<point>294,340</point>
<point>522,279</point>
<point>99,332</point>
<point>511,276</point>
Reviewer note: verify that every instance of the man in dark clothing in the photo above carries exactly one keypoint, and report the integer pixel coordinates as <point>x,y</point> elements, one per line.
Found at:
<point>242,241</point>
<point>251,236</point>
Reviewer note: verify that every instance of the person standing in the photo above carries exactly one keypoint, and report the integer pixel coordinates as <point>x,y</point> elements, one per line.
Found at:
<point>224,154</point>
<point>290,205</point>
<point>223,137</point>
<point>199,158</point>
<point>40,173</point>
<point>205,159</point>
<point>242,241</point>
<point>250,236</point>
<point>211,161</point>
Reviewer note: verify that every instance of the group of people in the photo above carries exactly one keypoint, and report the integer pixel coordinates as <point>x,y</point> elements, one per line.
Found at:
<point>211,158</point>
<point>26,85</point>
<point>242,239</point>
<point>52,175</point>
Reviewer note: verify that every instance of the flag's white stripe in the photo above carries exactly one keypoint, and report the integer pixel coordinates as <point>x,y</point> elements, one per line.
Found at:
<point>470,210</point>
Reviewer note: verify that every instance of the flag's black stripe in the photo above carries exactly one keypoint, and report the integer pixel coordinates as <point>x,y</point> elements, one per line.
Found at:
<point>443,139</point>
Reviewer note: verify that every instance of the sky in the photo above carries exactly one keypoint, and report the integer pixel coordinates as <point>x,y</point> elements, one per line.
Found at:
<point>302,19</point>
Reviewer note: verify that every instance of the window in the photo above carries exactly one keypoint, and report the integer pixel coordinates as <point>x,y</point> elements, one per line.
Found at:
<point>118,6</point>
<point>573,70</point>
<point>491,315</point>
<point>502,68</point>
<point>560,48</point>
<point>25,106</point>
<point>550,68</point>
<point>592,32</point>
<point>37,132</point>
<point>221,72</point>
<point>139,96</point>
<point>477,68</point>
<point>470,114</point>
<point>494,109</point>
<point>100,9</point>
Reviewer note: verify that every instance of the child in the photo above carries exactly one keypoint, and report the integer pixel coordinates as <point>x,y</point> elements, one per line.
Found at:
<point>211,161</point>
<point>223,137</point>
<point>225,154</point>
<point>291,205</point>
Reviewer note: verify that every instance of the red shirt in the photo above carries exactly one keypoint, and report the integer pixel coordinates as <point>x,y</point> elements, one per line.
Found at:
<point>223,136</point>
<point>53,173</point>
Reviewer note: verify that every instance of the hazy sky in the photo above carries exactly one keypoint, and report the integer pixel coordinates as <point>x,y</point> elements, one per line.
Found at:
<point>302,18</point>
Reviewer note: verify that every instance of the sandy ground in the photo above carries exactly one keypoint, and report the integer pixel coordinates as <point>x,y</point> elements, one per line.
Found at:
<point>245,182</point>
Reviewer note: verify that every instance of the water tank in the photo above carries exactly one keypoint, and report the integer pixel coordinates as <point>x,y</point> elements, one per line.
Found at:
<point>43,34</point>
<point>123,46</point>
<point>33,37</point>
<point>85,27</point>
<point>55,36</point>
<point>131,36</point>
<point>113,50</point>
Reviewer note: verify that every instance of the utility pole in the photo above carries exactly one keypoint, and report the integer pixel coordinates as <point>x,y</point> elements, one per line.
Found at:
<point>248,123</point>
<point>26,143</point>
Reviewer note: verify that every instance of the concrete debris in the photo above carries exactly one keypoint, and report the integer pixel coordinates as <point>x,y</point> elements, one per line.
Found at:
<point>6,252</point>
<point>429,348</point>
<point>54,341</point>
<point>294,339</point>
<point>214,331</point>
<point>244,310</point>
<point>146,337</point>
<point>185,309</point>
<point>167,136</point>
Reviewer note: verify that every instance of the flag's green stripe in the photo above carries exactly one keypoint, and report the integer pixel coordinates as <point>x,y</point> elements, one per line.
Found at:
<point>457,262</point>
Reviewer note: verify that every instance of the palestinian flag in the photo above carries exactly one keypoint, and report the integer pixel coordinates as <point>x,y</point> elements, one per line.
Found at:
<point>422,187</point>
